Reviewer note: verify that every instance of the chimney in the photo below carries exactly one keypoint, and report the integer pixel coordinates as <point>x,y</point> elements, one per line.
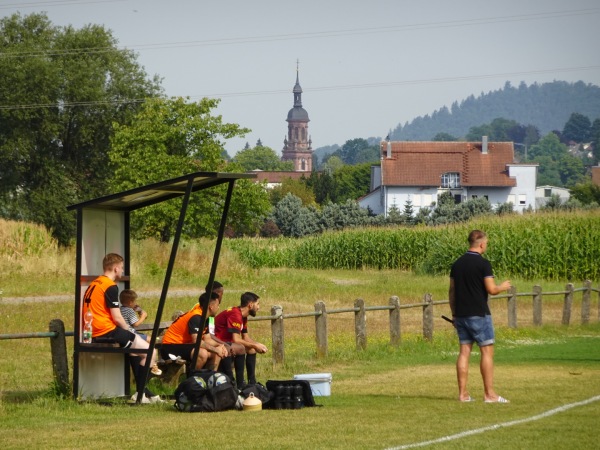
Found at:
<point>389,149</point>
<point>484,145</point>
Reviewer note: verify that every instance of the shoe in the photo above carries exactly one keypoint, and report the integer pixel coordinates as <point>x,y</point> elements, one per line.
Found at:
<point>145,400</point>
<point>500,399</point>
<point>155,399</point>
<point>467,400</point>
<point>156,371</point>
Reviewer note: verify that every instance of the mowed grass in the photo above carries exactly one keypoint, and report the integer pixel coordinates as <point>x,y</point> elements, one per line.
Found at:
<point>383,397</point>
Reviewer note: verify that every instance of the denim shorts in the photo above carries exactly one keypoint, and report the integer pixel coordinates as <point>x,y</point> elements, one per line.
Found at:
<point>475,329</point>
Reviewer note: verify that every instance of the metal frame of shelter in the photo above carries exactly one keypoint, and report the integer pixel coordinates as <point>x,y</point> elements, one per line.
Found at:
<point>103,226</point>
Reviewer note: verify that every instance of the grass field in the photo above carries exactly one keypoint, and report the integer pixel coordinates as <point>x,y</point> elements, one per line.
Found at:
<point>383,397</point>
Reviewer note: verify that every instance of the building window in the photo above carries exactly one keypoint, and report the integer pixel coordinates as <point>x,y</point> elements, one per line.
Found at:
<point>473,197</point>
<point>451,180</point>
<point>522,199</point>
<point>547,192</point>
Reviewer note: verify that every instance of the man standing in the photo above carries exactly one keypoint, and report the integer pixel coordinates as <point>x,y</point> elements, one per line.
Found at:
<point>471,281</point>
<point>231,326</point>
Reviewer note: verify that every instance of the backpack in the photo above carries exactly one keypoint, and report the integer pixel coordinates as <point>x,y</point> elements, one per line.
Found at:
<point>206,391</point>
<point>290,394</point>
<point>259,391</point>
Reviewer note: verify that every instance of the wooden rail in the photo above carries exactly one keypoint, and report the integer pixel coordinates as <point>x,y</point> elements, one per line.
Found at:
<point>57,332</point>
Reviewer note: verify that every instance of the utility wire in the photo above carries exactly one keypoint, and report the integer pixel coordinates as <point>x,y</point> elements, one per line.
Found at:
<point>313,35</point>
<point>315,89</point>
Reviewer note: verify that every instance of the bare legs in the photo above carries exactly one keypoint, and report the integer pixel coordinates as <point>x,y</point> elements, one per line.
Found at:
<point>462,370</point>
<point>486,367</point>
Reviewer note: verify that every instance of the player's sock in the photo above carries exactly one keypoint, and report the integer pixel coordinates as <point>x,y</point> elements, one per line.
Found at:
<point>251,367</point>
<point>239,361</point>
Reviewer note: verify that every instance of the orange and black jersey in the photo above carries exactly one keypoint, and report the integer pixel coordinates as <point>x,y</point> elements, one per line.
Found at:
<point>101,296</point>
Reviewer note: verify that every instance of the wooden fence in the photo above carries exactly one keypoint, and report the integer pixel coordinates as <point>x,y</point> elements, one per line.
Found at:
<point>58,345</point>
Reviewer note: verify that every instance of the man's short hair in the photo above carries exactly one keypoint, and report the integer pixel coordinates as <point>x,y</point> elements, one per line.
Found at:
<point>248,297</point>
<point>111,260</point>
<point>216,285</point>
<point>204,296</point>
<point>476,236</point>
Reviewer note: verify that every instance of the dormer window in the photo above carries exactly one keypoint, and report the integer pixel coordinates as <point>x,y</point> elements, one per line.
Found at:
<point>451,180</point>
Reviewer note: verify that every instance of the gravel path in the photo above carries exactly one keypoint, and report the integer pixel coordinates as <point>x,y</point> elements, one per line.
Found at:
<point>68,298</point>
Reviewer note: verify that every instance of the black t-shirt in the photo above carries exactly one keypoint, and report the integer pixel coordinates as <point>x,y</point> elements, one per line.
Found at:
<point>468,273</point>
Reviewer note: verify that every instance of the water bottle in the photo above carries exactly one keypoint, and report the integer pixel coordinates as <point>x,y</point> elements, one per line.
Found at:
<point>298,398</point>
<point>87,327</point>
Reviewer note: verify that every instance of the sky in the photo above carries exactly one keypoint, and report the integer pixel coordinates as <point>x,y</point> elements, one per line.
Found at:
<point>364,66</point>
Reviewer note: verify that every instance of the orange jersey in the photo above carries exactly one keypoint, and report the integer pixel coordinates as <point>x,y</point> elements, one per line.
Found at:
<point>179,331</point>
<point>102,321</point>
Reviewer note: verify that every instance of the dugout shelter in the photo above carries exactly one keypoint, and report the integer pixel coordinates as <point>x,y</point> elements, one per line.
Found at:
<point>103,226</point>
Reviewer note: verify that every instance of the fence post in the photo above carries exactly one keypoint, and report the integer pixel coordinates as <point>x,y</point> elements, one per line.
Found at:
<point>512,307</point>
<point>428,317</point>
<point>58,348</point>
<point>360,324</point>
<point>321,328</point>
<point>395,336</point>
<point>566,317</point>
<point>585,302</point>
<point>277,337</point>
<point>537,305</point>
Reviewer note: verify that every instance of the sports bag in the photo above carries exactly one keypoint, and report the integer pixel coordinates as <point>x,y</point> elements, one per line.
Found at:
<point>290,394</point>
<point>206,391</point>
<point>259,391</point>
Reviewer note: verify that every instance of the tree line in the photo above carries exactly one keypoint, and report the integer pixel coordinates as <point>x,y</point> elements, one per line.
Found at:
<point>80,118</point>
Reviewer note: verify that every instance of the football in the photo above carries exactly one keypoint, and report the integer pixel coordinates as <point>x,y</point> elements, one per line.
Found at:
<point>216,379</point>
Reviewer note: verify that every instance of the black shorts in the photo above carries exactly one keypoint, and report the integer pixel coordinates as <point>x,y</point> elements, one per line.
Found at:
<point>122,337</point>
<point>184,351</point>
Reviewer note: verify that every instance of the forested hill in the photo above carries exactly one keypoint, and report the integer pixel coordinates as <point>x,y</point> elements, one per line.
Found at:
<point>547,106</point>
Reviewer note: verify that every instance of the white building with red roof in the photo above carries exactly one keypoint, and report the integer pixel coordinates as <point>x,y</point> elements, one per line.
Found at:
<point>421,171</point>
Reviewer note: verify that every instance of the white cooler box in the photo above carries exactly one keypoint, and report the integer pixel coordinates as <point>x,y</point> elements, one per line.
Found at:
<point>320,383</point>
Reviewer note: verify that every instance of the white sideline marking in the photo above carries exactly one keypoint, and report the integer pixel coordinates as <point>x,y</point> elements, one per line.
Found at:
<point>498,425</point>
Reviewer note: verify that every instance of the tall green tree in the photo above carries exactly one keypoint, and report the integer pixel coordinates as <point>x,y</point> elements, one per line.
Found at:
<point>577,128</point>
<point>172,137</point>
<point>298,188</point>
<point>261,158</point>
<point>62,90</point>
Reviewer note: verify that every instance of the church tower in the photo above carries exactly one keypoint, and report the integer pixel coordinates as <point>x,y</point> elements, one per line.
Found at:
<point>297,144</point>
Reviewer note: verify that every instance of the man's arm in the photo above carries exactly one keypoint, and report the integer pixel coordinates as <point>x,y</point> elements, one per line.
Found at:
<point>260,348</point>
<point>492,288</point>
<point>118,318</point>
<point>451,297</point>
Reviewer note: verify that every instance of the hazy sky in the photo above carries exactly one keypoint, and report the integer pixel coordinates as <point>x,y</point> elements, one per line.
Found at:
<point>365,66</point>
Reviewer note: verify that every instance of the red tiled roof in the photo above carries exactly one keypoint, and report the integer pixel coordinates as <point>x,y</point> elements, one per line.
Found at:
<point>277,177</point>
<point>423,163</point>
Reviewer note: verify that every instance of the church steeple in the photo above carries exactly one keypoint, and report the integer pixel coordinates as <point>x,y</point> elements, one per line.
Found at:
<point>297,143</point>
<point>297,88</point>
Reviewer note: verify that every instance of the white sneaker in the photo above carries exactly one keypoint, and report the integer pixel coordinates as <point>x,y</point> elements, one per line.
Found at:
<point>155,399</point>
<point>145,400</point>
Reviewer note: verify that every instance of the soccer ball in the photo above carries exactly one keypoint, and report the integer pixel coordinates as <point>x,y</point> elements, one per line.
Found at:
<point>216,379</point>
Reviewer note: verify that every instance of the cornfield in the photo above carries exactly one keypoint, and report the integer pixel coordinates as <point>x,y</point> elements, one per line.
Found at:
<point>552,246</point>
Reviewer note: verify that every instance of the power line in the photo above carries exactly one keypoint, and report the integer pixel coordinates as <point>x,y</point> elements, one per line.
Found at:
<point>316,34</point>
<point>315,89</point>
<point>55,3</point>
